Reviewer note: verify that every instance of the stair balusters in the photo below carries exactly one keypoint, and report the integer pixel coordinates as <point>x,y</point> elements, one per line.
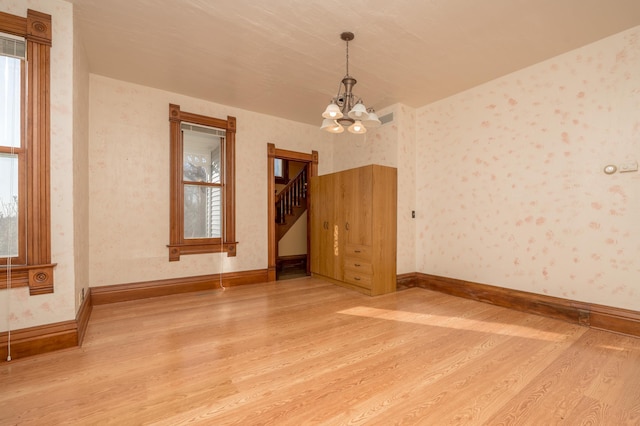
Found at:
<point>291,196</point>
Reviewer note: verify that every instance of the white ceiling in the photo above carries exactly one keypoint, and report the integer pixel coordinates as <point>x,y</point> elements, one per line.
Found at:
<point>285,57</point>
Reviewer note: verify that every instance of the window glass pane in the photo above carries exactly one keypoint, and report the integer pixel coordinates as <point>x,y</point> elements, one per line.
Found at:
<point>9,101</point>
<point>201,160</point>
<point>202,211</point>
<point>8,205</point>
<point>277,168</point>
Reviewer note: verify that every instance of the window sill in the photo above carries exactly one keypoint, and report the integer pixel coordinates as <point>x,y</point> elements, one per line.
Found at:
<point>176,250</point>
<point>39,278</point>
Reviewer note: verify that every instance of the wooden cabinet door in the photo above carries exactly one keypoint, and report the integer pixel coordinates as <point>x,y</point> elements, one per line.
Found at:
<point>358,213</point>
<point>333,196</point>
<point>325,232</point>
<point>316,222</point>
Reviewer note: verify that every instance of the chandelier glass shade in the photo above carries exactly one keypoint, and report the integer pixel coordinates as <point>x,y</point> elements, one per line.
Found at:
<point>345,109</point>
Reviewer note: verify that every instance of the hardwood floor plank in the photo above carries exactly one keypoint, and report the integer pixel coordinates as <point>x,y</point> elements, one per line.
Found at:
<point>304,351</point>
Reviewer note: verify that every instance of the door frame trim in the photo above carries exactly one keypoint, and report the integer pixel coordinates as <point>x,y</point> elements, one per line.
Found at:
<point>312,170</point>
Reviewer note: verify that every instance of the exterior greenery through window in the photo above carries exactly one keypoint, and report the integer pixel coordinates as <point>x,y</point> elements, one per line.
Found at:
<point>202,184</point>
<point>25,223</point>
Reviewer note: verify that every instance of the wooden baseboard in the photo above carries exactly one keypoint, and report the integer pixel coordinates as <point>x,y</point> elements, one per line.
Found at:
<point>83,315</point>
<point>406,280</point>
<point>606,318</point>
<point>47,338</point>
<point>67,334</point>
<point>38,340</point>
<point>142,290</point>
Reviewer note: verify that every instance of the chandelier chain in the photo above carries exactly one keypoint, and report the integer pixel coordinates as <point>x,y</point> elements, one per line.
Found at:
<point>347,41</point>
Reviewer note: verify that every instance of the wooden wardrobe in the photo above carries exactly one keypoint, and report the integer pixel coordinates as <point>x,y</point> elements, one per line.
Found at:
<point>353,228</point>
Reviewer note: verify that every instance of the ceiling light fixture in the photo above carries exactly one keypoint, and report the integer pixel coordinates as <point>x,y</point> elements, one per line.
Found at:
<point>344,109</point>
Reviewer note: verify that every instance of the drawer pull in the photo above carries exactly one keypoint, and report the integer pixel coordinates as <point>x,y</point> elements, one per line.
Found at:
<point>356,264</point>
<point>356,251</point>
<point>356,278</point>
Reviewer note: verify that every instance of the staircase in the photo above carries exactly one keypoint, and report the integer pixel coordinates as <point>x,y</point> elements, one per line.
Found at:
<point>291,202</point>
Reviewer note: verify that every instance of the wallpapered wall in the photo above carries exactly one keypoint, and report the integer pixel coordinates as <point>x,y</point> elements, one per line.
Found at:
<point>393,145</point>
<point>129,182</point>
<point>510,182</point>
<point>80,166</point>
<point>506,178</point>
<point>18,308</point>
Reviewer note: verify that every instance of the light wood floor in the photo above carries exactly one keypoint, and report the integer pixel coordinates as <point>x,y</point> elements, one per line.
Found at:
<point>304,352</point>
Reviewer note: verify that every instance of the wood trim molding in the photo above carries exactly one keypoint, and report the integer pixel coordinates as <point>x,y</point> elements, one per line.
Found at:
<point>142,290</point>
<point>312,170</point>
<point>37,31</point>
<point>38,27</point>
<point>271,214</point>
<point>178,245</point>
<point>83,316</point>
<point>600,317</point>
<point>38,340</point>
<point>47,338</point>
<point>68,334</point>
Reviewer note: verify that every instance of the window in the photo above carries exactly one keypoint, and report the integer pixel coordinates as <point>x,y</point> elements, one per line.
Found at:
<point>281,171</point>
<point>202,218</point>
<point>25,224</point>
<point>12,152</point>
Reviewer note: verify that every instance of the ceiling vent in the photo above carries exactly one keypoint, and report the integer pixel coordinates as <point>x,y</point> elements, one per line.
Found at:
<point>12,47</point>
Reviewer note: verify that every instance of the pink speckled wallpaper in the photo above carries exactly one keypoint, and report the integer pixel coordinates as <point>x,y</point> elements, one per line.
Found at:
<point>393,145</point>
<point>510,188</point>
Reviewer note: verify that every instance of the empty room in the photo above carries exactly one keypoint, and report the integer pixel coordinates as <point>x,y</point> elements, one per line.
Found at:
<point>291,213</point>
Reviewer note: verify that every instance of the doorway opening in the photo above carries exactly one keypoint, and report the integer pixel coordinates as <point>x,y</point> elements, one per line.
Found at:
<point>289,234</point>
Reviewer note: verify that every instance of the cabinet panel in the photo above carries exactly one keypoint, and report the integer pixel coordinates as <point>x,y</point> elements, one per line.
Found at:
<point>326,238</point>
<point>358,250</point>
<point>359,279</point>
<point>353,215</point>
<point>358,206</point>
<point>316,222</point>
<point>359,265</point>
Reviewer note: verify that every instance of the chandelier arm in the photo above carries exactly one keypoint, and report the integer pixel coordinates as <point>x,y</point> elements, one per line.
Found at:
<point>339,92</point>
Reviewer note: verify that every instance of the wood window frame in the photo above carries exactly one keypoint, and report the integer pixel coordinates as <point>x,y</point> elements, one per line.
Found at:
<point>37,270</point>
<point>178,245</point>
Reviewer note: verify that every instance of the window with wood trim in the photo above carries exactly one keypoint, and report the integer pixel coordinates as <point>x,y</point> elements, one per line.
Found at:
<point>25,223</point>
<point>202,191</point>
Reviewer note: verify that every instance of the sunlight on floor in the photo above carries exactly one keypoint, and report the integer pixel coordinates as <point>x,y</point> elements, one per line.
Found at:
<point>456,323</point>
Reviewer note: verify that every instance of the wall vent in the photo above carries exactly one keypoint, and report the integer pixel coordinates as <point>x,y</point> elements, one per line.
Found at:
<point>12,47</point>
<point>387,118</point>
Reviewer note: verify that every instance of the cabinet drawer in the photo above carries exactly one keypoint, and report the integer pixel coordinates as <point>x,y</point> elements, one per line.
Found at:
<point>357,278</point>
<point>358,250</point>
<point>358,265</point>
